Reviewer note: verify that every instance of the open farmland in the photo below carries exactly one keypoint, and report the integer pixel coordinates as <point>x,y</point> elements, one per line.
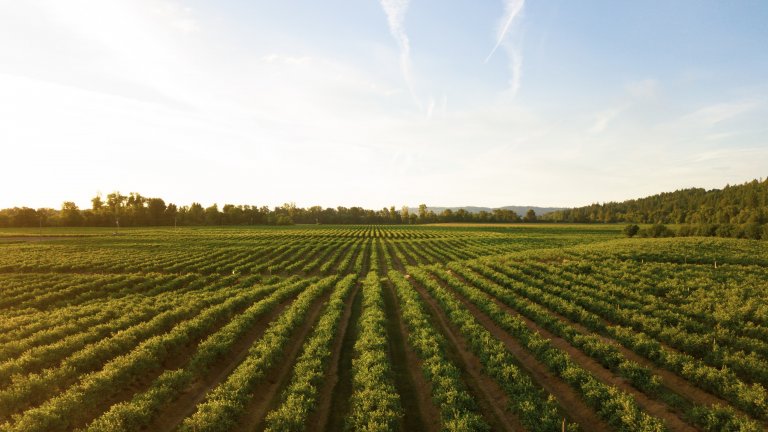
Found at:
<point>535,327</point>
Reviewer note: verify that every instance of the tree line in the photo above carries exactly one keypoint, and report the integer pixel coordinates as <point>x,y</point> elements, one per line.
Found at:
<point>132,210</point>
<point>740,204</point>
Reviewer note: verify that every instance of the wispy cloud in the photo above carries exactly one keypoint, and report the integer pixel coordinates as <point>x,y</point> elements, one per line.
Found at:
<point>637,92</point>
<point>713,114</point>
<point>602,119</point>
<point>512,10</point>
<point>395,11</point>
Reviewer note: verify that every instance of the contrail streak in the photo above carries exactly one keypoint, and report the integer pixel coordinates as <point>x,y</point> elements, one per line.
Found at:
<point>512,9</point>
<point>395,11</point>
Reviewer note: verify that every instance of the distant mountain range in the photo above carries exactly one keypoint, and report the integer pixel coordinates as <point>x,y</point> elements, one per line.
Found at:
<point>520,210</point>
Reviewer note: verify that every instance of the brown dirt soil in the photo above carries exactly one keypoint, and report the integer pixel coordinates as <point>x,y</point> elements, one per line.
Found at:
<point>409,258</point>
<point>174,360</point>
<point>336,376</point>
<point>316,270</point>
<point>333,403</point>
<point>267,395</point>
<point>413,388</point>
<point>396,263</point>
<point>570,401</point>
<point>32,239</point>
<point>672,381</point>
<point>491,399</point>
<point>336,261</point>
<point>354,254</point>
<point>174,413</point>
<point>651,406</point>
<point>383,269</point>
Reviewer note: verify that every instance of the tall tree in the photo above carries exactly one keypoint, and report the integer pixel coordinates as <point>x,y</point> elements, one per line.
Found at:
<point>70,214</point>
<point>530,216</point>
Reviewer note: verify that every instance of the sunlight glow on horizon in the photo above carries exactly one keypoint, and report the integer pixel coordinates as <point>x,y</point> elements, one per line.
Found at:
<point>379,103</point>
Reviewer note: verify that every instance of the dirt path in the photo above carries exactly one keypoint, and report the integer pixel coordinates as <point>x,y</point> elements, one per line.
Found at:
<point>333,402</point>
<point>396,263</point>
<point>267,394</point>
<point>354,254</point>
<point>174,360</point>
<point>382,262</point>
<point>326,392</point>
<point>653,407</point>
<point>414,390</point>
<point>174,413</point>
<point>566,396</point>
<point>671,380</point>
<point>491,399</point>
<point>33,239</point>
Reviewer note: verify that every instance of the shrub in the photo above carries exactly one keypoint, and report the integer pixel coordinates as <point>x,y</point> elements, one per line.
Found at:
<point>631,230</point>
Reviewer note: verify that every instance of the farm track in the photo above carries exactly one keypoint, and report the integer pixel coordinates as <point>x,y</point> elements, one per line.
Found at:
<point>570,401</point>
<point>493,402</point>
<point>172,415</point>
<point>268,395</point>
<point>333,377</point>
<point>413,388</point>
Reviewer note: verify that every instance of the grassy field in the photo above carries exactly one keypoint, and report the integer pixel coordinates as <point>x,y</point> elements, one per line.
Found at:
<point>446,327</point>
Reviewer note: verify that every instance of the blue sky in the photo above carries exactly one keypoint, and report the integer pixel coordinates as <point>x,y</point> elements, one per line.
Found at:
<point>380,103</point>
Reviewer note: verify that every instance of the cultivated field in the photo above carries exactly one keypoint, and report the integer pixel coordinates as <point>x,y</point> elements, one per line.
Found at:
<point>537,328</point>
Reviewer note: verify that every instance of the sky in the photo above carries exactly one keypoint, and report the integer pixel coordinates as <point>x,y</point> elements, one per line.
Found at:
<point>376,103</point>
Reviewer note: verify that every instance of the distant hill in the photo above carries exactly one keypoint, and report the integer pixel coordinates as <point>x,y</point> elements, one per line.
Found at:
<point>740,204</point>
<point>520,210</point>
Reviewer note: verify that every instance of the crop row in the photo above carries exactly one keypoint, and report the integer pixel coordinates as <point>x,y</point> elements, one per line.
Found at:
<point>300,396</point>
<point>224,404</point>
<point>616,407</point>
<point>143,407</point>
<point>375,404</point>
<point>60,412</point>
<point>458,409</point>
<point>536,410</point>
<point>642,378</point>
<point>723,382</point>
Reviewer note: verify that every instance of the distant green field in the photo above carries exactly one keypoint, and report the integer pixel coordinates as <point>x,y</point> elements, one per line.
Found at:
<point>443,327</point>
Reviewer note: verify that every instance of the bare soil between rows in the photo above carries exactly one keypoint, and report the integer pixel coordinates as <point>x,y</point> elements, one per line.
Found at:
<point>651,406</point>
<point>567,397</point>
<point>338,379</point>
<point>267,394</point>
<point>415,391</point>
<point>34,239</point>
<point>492,401</point>
<point>174,413</point>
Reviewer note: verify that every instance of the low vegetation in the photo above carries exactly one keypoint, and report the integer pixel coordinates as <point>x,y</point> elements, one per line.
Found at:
<point>544,327</point>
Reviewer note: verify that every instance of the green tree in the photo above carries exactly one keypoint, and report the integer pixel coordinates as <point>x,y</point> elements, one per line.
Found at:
<point>530,216</point>
<point>156,210</point>
<point>171,214</point>
<point>212,215</point>
<point>97,203</point>
<point>631,230</point>
<point>422,212</point>
<point>70,214</point>
<point>196,214</point>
